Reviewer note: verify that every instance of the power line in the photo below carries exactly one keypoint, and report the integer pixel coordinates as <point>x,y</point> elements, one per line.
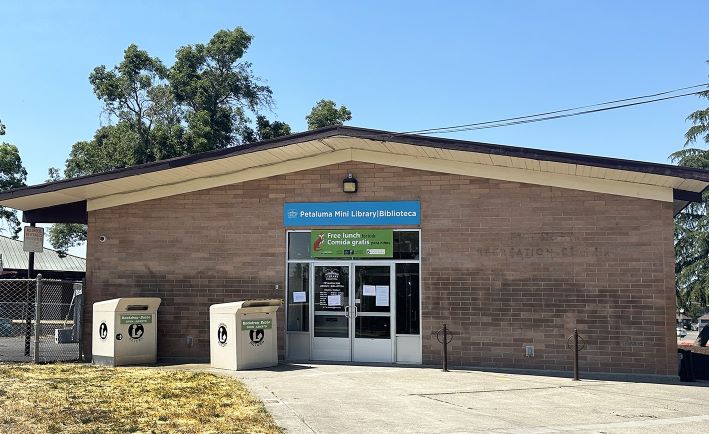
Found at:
<point>557,114</point>
<point>526,121</point>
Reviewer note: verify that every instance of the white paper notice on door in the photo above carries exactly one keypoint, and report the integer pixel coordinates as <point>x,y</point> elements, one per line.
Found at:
<point>382,293</point>
<point>369,290</point>
<point>299,297</point>
<point>334,300</point>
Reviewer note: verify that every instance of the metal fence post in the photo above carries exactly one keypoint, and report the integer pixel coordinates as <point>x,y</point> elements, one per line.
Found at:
<point>37,318</point>
<point>80,317</point>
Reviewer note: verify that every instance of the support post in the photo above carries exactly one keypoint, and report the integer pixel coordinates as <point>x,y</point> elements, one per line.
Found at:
<point>28,303</point>
<point>445,348</point>
<point>576,355</point>
<point>37,317</point>
<point>79,319</point>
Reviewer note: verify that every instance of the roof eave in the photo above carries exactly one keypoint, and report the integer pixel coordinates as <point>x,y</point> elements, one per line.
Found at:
<point>362,133</point>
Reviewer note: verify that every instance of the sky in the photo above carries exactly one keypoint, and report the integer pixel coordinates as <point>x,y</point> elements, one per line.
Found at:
<point>397,65</point>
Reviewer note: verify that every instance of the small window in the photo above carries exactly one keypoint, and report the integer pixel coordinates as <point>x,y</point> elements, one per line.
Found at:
<point>407,299</point>
<point>299,245</point>
<point>298,298</point>
<point>406,245</point>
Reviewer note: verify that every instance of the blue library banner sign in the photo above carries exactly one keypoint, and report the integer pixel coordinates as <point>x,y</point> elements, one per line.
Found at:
<point>397,213</point>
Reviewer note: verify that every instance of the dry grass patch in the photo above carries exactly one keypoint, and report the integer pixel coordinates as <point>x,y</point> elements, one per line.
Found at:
<point>73,398</point>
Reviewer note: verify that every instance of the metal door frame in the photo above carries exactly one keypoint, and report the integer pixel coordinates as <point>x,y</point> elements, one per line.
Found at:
<point>311,314</point>
<point>392,305</point>
<point>352,265</point>
<point>311,262</point>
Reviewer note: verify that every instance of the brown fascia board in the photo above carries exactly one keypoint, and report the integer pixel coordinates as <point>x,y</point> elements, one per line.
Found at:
<point>378,135</point>
<point>74,212</point>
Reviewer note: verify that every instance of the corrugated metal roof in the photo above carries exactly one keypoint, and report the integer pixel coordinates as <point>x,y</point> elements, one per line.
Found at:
<point>14,257</point>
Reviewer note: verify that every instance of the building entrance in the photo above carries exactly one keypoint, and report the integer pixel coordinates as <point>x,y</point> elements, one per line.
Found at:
<point>353,312</point>
<point>356,309</point>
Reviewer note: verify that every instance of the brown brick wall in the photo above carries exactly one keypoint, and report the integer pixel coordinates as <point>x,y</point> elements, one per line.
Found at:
<point>504,264</point>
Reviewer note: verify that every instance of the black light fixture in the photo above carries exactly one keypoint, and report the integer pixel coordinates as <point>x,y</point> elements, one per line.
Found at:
<point>349,184</point>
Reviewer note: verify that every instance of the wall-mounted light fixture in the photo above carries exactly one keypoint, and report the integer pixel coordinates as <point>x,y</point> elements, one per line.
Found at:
<point>349,184</point>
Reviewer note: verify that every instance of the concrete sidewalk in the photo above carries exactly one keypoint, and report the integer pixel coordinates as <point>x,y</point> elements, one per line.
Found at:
<point>307,398</point>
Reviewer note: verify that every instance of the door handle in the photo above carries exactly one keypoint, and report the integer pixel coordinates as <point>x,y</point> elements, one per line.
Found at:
<point>347,311</point>
<point>356,311</point>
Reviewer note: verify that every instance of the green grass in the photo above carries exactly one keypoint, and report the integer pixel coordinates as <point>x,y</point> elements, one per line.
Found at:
<point>74,398</point>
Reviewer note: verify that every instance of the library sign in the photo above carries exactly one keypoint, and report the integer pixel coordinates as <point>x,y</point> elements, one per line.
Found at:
<point>323,214</point>
<point>365,243</point>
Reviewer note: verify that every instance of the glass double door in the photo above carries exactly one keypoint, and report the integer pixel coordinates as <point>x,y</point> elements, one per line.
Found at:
<point>352,312</point>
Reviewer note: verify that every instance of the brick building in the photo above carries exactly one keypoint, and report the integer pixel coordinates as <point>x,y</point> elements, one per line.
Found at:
<point>510,247</point>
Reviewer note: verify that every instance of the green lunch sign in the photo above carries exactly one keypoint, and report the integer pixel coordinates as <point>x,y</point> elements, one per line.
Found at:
<point>255,324</point>
<point>336,243</point>
<point>137,319</point>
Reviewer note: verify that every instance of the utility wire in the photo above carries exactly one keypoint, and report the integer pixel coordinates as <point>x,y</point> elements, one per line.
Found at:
<point>526,121</point>
<point>557,114</point>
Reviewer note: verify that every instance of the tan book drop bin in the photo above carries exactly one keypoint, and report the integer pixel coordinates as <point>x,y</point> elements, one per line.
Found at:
<point>243,334</point>
<point>125,331</point>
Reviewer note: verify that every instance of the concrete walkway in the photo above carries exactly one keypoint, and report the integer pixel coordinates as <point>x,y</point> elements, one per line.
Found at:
<point>312,398</point>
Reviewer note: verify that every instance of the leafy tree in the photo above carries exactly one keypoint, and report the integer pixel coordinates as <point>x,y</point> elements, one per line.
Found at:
<point>136,93</point>
<point>54,174</point>
<point>692,224</point>
<point>218,89</point>
<point>12,175</point>
<point>326,113</point>
<point>111,148</point>
<point>265,130</point>
<point>62,236</point>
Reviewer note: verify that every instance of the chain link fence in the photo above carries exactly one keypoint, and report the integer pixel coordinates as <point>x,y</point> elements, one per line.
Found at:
<point>40,320</point>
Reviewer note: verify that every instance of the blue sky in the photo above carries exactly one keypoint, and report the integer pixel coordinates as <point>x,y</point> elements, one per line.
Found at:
<point>399,65</point>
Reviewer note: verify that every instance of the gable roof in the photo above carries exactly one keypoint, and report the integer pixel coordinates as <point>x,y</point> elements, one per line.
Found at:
<point>14,257</point>
<point>337,144</point>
